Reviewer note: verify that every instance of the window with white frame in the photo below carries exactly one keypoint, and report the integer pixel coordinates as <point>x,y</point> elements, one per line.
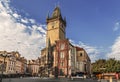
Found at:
<point>61,55</point>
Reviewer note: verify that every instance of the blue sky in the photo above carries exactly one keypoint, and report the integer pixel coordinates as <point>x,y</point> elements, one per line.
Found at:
<point>86,19</point>
<point>92,24</point>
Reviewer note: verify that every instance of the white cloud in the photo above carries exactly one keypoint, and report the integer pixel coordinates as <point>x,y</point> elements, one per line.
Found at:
<point>24,20</point>
<point>115,50</point>
<point>16,15</point>
<point>93,52</point>
<point>32,21</point>
<point>17,35</point>
<point>116,26</point>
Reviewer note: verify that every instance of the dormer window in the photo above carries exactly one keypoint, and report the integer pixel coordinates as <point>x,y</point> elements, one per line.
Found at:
<point>80,54</point>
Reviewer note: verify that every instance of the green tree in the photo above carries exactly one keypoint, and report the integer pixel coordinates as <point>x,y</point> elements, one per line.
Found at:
<point>102,65</point>
<point>98,65</point>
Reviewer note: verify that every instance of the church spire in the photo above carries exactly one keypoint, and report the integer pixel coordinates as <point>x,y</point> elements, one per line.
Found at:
<point>56,15</point>
<point>56,12</point>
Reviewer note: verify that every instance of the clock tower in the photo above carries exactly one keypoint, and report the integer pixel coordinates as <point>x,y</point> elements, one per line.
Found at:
<point>56,26</point>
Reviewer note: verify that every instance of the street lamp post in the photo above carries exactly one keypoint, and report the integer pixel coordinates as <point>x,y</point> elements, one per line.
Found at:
<point>102,69</point>
<point>3,65</point>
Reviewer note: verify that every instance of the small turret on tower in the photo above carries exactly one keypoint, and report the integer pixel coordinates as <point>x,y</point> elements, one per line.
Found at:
<point>47,17</point>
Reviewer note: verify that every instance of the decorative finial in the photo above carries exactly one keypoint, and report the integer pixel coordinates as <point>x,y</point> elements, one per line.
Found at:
<point>47,15</point>
<point>55,5</point>
<point>58,4</point>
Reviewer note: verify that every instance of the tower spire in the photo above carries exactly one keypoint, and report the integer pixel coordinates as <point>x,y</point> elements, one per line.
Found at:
<point>58,4</point>
<point>47,17</point>
<point>56,12</point>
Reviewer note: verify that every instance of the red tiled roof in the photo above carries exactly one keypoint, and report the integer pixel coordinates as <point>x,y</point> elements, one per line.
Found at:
<point>78,48</point>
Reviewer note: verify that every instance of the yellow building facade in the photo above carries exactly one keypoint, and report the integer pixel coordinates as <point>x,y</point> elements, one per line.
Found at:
<point>13,63</point>
<point>83,62</point>
<point>33,67</point>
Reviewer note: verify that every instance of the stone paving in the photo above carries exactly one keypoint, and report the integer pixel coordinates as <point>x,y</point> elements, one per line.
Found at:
<point>32,79</point>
